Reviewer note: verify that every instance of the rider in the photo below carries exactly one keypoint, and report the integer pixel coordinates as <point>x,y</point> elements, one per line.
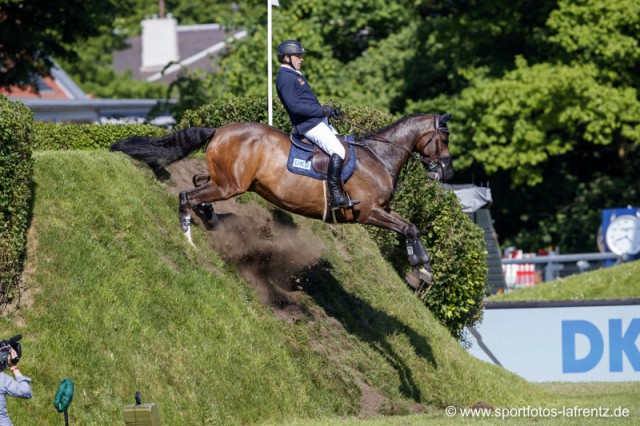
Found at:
<point>309,118</point>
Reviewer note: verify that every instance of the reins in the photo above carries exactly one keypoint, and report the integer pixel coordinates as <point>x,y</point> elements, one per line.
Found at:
<point>369,132</point>
<point>412,155</point>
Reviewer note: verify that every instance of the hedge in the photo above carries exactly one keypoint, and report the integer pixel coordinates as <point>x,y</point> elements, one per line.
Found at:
<point>16,191</point>
<point>57,136</point>
<point>454,243</point>
<point>230,109</point>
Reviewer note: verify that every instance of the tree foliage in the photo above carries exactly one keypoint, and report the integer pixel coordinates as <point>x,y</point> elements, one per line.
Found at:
<point>600,32</point>
<point>547,137</point>
<point>35,31</point>
<point>545,93</point>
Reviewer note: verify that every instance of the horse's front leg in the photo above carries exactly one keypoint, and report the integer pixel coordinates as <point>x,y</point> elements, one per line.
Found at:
<point>419,259</point>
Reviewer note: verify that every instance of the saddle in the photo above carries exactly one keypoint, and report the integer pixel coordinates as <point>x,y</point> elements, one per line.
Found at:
<point>306,158</point>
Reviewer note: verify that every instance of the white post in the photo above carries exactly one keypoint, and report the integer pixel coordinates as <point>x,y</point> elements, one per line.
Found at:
<point>269,60</point>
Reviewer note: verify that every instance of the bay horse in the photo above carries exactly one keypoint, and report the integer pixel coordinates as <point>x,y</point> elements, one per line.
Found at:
<point>243,157</point>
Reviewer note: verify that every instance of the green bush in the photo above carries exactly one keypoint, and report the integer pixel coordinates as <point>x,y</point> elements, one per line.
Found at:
<point>62,136</point>
<point>231,109</point>
<point>455,244</point>
<point>16,170</point>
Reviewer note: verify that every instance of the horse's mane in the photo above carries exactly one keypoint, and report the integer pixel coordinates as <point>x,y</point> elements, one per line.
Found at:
<point>392,125</point>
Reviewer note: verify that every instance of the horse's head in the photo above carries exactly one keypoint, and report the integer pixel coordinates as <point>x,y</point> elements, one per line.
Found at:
<point>433,148</point>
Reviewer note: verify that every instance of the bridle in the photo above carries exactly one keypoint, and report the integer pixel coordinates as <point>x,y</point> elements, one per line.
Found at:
<point>437,163</point>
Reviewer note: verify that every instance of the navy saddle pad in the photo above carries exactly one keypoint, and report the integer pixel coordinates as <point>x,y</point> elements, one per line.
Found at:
<point>301,153</point>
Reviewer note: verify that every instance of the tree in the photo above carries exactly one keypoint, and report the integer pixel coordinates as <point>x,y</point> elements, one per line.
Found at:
<point>35,31</point>
<point>561,137</point>
<point>544,93</point>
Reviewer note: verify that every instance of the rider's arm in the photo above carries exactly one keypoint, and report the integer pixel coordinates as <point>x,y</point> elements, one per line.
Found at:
<point>297,95</point>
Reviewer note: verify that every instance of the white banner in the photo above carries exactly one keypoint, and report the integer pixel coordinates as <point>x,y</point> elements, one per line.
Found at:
<point>562,343</point>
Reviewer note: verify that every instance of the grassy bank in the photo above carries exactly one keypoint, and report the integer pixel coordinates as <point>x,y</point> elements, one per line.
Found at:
<point>616,282</point>
<point>591,404</point>
<point>115,299</point>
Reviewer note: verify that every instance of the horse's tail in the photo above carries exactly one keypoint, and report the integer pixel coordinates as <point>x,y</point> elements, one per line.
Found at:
<point>162,151</point>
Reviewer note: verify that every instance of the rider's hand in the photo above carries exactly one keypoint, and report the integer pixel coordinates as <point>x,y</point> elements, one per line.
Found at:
<point>337,113</point>
<point>332,112</point>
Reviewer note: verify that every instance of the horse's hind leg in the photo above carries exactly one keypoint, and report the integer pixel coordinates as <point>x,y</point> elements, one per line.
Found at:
<point>194,197</point>
<point>185,217</point>
<point>183,210</point>
<point>205,210</point>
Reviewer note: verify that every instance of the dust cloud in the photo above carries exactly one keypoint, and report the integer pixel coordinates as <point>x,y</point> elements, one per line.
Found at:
<point>266,246</point>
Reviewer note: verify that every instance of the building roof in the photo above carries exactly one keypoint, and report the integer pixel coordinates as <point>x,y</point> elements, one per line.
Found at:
<point>96,110</point>
<point>58,86</point>
<point>197,45</point>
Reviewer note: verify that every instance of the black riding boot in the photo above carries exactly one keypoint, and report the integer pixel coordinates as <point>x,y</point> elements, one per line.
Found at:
<point>334,178</point>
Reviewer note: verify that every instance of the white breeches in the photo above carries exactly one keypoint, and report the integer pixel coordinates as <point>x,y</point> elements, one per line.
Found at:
<point>324,135</point>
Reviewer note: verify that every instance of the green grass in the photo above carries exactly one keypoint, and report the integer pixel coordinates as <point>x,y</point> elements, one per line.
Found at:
<point>616,282</point>
<point>115,299</point>
<point>568,404</point>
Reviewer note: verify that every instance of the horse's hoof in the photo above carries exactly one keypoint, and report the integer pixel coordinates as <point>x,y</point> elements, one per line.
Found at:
<point>413,279</point>
<point>425,275</point>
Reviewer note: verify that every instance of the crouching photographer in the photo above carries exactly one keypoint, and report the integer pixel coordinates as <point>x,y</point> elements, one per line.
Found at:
<point>10,353</point>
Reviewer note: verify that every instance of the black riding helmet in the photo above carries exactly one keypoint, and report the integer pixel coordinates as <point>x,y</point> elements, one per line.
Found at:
<point>289,47</point>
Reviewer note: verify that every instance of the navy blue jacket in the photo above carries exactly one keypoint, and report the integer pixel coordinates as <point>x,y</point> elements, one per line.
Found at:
<point>304,110</point>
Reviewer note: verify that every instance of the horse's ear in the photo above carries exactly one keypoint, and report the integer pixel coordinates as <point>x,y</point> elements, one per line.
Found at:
<point>444,119</point>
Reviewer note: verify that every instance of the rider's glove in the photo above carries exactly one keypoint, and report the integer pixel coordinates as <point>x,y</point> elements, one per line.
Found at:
<point>332,112</point>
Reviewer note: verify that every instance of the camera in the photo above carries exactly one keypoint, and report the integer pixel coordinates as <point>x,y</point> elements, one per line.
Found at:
<point>5,347</point>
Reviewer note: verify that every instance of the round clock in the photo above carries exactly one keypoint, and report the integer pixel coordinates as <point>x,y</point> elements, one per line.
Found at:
<point>623,235</point>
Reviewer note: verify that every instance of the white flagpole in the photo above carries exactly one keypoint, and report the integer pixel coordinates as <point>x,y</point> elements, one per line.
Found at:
<point>269,60</point>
